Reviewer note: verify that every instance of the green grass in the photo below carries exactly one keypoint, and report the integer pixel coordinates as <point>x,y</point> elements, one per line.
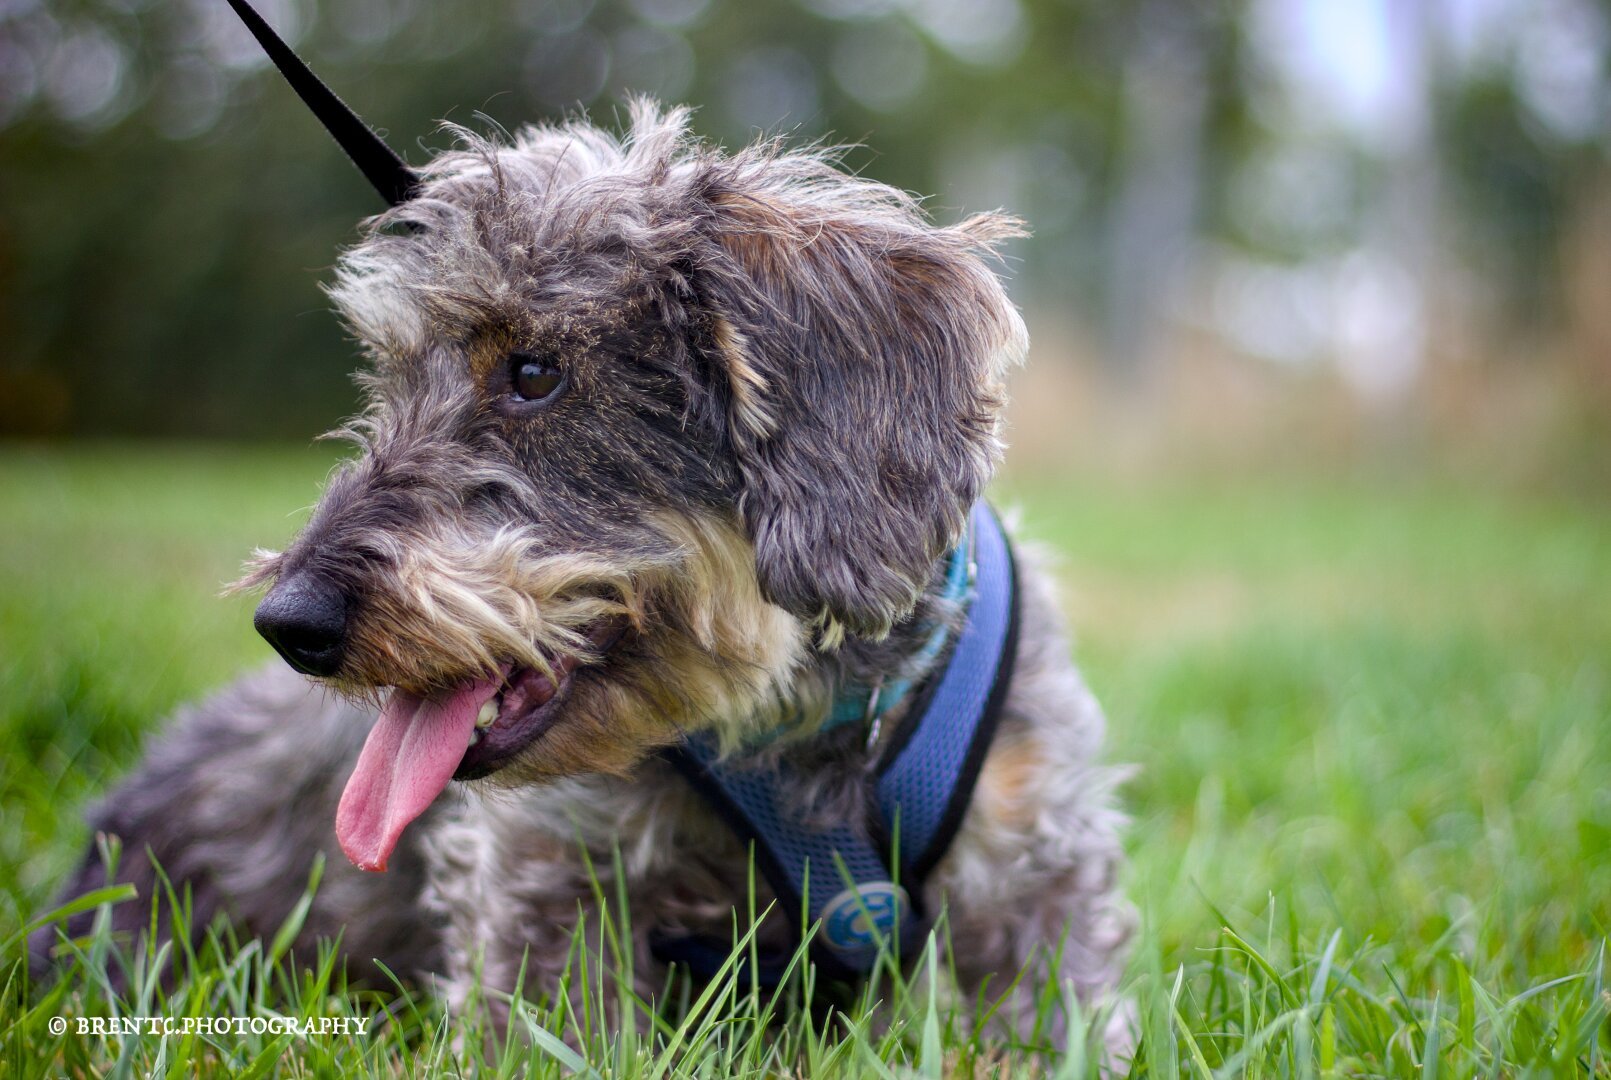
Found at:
<point>1372,825</point>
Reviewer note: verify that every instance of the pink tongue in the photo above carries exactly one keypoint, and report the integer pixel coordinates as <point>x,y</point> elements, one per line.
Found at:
<point>408,759</point>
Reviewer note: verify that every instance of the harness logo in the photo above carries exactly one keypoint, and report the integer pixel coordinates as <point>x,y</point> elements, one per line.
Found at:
<point>859,917</point>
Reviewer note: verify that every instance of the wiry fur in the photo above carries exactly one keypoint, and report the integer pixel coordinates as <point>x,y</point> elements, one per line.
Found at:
<point>782,395</point>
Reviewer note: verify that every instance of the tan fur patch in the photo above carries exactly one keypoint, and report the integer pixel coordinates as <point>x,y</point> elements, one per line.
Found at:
<point>747,384</point>
<point>751,648</point>
<point>1006,782</point>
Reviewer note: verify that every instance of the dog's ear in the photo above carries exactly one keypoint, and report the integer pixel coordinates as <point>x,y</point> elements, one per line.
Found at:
<point>864,351</point>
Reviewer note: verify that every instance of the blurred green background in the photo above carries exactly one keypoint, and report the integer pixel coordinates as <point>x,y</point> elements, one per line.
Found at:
<point>1384,220</point>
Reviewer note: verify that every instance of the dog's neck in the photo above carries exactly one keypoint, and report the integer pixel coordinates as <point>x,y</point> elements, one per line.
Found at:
<point>866,703</point>
<point>852,697</point>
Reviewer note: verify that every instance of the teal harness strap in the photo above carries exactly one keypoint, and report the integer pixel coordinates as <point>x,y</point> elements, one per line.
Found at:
<point>856,880</point>
<point>867,704</point>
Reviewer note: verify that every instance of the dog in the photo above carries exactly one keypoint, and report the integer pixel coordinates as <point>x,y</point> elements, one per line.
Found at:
<point>657,442</point>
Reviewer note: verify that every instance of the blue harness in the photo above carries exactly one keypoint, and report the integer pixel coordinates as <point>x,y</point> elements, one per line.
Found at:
<point>855,880</point>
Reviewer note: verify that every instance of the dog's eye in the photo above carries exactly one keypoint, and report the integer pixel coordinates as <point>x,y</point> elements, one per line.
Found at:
<point>532,380</point>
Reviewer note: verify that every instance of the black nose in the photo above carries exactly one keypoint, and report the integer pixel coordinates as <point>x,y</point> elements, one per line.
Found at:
<point>305,619</point>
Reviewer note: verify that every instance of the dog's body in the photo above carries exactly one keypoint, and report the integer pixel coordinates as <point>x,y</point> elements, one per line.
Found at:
<point>658,441</point>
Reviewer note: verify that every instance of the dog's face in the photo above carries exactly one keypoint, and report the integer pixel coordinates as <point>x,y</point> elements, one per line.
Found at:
<point>645,426</point>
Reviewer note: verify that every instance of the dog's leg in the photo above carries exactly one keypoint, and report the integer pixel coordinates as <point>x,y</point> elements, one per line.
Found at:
<point>515,875</point>
<point>1031,879</point>
<point>509,903</point>
<point>234,802</point>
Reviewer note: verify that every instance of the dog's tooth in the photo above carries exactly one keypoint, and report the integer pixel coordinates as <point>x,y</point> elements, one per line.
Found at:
<point>475,736</point>
<point>488,713</point>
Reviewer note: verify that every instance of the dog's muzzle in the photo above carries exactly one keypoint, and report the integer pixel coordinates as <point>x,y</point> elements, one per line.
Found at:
<point>305,619</point>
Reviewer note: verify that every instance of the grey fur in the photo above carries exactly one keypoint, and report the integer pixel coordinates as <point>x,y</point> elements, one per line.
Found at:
<point>783,392</point>
<point>235,800</point>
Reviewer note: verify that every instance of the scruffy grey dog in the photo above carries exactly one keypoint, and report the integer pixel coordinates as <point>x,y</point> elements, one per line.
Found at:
<point>656,440</point>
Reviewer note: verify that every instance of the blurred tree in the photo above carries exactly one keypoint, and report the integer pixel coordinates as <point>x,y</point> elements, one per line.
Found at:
<point>167,209</point>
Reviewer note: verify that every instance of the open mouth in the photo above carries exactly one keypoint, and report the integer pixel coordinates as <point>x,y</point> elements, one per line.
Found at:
<point>464,732</point>
<point>525,706</point>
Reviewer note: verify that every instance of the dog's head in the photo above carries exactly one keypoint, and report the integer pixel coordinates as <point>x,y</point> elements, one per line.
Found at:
<point>645,426</point>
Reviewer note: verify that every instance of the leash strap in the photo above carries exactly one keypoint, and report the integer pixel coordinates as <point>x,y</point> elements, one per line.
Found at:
<point>378,162</point>
<point>844,877</point>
